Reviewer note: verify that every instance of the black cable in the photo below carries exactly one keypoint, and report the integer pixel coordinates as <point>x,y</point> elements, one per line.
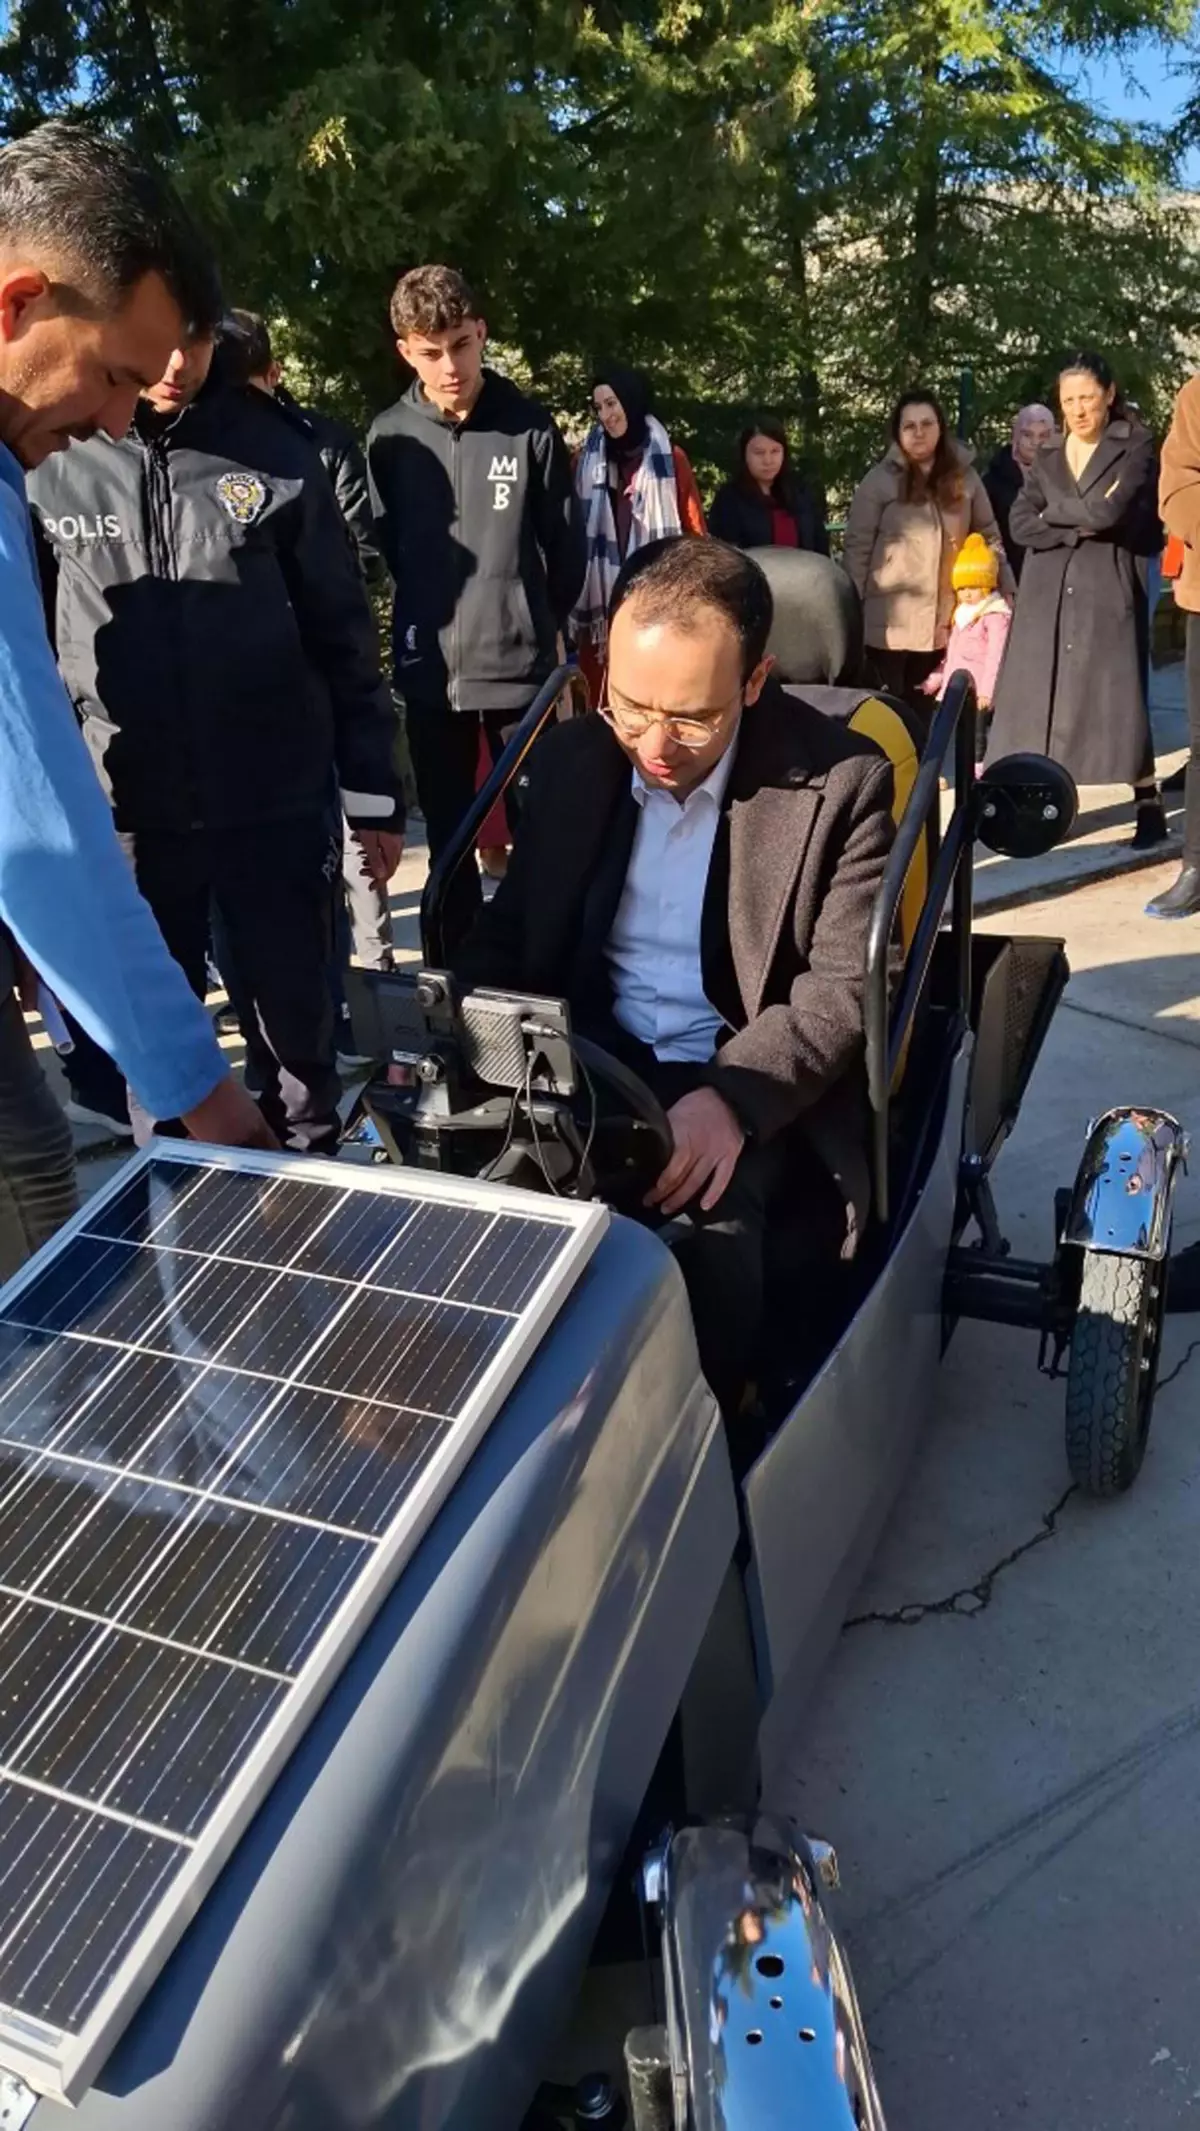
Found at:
<point>537,1137</point>
<point>591,1131</point>
<point>488,1174</point>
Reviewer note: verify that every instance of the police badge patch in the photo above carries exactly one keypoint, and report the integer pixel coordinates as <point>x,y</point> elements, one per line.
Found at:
<point>244,496</point>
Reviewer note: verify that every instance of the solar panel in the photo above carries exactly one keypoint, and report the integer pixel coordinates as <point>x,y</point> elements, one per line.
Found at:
<point>233,1392</point>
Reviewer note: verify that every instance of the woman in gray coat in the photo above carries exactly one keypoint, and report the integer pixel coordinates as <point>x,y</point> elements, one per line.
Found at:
<point>1073,680</point>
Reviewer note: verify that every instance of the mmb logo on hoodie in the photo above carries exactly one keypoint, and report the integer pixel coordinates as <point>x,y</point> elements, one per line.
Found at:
<point>502,473</point>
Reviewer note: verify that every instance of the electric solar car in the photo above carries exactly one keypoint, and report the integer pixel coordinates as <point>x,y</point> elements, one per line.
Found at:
<point>381,1597</point>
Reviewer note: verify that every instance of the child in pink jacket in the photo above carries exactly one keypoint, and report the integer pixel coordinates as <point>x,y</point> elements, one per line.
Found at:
<point>979,631</point>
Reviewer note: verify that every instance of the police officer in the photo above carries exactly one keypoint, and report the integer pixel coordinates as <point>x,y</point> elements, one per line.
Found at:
<point>214,633</point>
<point>368,925</point>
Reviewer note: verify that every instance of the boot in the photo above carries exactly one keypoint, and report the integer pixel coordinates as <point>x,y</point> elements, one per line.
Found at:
<point>1151,826</point>
<point>1181,899</point>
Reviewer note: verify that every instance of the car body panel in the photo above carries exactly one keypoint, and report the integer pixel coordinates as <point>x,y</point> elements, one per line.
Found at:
<point>409,1913</point>
<point>816,1500</point>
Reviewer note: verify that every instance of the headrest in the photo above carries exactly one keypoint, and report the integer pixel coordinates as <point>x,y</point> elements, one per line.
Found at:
<point>817,631</point>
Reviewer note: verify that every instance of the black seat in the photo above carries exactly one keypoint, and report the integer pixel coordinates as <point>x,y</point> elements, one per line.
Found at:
<point>818,631</point>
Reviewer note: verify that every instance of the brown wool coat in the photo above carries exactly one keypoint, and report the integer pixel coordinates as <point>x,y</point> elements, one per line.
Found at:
<point>1179,491</point>
<point>805,828</point>
<point>900,555</point>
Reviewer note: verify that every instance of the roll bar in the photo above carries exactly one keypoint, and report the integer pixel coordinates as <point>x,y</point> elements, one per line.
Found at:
<point>564,679</point>
<point>887,1031</point>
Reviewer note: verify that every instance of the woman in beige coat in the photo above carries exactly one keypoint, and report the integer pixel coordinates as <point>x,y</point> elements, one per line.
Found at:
<point>907,522</point>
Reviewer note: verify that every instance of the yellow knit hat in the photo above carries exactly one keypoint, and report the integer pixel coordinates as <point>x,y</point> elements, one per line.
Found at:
<point>976,567</point>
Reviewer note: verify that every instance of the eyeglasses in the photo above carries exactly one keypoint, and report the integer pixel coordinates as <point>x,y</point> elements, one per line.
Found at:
<point>694,733</point>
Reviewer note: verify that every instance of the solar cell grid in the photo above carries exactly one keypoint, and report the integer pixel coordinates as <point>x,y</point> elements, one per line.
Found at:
<point>57,1860</point>
<point>228,1403</point>
<point>340,1460</point>
<point>207,1575</point>
<point>155,1731</point>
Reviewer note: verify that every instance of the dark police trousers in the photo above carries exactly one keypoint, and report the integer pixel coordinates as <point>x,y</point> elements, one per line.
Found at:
<point>271,892</point>
<point>722,1253</point>
<point>444,745</point>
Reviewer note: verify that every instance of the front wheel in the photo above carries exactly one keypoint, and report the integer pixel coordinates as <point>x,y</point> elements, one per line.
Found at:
<point>1113,1369</point>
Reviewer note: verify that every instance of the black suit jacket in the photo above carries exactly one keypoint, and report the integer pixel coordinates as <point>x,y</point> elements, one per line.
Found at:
<point>805,829</point>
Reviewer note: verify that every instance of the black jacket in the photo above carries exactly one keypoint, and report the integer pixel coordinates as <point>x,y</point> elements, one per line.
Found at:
<point>480,528</point>
<point>343,460</point>
<point>211,622</point>
<point>1004,481</point>
<point>745,520</point>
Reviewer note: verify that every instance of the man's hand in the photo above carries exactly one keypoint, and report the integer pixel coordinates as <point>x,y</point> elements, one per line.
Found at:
<point>708,1141</point>
<point>383,850</point>
<point>231,1118</point>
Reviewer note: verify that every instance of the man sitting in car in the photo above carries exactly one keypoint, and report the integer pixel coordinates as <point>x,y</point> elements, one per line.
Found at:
<point>694,873</point>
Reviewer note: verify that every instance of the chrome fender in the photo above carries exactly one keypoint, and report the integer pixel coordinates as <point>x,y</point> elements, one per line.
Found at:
<point>1126,1183</point>
<point>764,2025</point>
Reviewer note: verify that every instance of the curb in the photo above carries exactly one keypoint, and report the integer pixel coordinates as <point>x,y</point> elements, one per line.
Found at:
<point>1108,865</point>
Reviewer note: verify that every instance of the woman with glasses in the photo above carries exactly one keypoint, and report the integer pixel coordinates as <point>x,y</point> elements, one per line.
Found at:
<point>634,486</point>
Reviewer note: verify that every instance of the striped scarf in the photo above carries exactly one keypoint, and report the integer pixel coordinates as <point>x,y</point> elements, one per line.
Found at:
<point>655,502</point>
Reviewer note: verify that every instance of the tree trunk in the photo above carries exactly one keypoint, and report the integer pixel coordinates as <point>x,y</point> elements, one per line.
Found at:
<point>923,259</point>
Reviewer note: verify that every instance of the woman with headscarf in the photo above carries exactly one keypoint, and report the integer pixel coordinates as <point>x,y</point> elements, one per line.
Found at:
<point>1032,427</point>
<point>1073,684</point>
<point>635,486</point>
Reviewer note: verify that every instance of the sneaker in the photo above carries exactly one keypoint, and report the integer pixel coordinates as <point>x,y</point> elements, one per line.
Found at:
<point>116,1127</point>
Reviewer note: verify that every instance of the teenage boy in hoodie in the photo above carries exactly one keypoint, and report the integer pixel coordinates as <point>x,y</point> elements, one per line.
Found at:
<point>479,525</point>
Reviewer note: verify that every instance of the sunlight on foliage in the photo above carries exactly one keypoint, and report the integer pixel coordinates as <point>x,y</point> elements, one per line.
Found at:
<point>764,202</point>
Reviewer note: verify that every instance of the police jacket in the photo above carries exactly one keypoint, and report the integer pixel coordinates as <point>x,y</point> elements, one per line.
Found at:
<point>480,528</point>
<point>211,622</point>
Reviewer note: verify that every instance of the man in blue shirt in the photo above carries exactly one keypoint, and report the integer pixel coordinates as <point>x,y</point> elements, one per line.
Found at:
<point>101,277</point>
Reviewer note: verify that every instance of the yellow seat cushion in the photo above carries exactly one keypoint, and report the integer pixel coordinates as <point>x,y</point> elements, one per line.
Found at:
<point>879,722</point>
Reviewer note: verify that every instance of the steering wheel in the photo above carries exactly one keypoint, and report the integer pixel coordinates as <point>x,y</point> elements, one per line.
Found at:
<point>631,1141</point>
